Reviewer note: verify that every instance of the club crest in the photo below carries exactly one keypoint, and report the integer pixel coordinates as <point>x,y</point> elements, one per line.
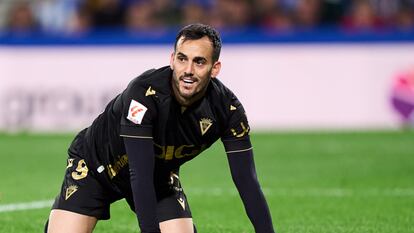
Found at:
<point>205,124</point>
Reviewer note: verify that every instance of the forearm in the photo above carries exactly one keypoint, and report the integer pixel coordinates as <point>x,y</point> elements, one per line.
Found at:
<point>244,176</point>
<point>141,164</point>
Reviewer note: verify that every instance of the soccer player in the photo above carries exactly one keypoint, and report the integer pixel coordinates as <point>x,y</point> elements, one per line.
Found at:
<point>134,149</point>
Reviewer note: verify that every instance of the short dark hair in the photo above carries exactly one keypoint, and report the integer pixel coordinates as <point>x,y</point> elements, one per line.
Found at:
<point>197,31</point>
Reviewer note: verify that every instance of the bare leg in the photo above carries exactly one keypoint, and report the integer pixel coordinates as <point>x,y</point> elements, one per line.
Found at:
<point>178,225</point>
<point>63,221</point>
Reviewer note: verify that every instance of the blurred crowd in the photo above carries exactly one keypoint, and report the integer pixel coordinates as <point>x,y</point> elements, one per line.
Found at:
<point>77,16</point>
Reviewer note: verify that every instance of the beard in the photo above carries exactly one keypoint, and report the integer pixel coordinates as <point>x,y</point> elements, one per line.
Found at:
<point>189,88</point>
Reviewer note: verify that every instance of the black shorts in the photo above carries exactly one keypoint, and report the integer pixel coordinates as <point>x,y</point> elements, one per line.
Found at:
<point>88,192</point>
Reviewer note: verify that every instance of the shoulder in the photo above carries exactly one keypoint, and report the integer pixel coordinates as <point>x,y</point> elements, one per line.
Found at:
<point>147,88</point>
<point>140,100</point>
<point>221,95</point>
<point>224,102</point>
<point>152,83</point>
<point>217,88</point>
<point>157,79</point>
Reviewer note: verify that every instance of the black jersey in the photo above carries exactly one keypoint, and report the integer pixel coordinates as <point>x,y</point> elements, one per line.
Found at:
<point>148,109</point>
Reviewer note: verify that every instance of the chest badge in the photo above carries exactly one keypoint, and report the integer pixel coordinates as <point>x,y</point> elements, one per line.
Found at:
<point>205,124</point>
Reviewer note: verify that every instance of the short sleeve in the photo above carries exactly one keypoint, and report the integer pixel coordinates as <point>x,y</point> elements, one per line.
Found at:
<point>138,111</point>
<point>236,136</point>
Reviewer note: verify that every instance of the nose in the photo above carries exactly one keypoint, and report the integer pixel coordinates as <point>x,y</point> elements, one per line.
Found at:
<point>189,69</point>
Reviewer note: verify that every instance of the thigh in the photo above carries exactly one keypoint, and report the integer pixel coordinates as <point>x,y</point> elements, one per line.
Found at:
<point>179,225</point>
<point>62,221</point>
<point>173,210</point>
<point>173,204</point>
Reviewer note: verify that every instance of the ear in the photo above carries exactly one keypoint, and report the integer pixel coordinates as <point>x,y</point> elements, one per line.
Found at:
<point>172,60</point>
<point>215,70</point>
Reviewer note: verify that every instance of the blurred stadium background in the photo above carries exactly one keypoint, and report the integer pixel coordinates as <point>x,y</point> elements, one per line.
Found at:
<point>328,86</point>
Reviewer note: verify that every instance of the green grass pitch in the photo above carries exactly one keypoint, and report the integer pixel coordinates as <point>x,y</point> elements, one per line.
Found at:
<point>326,182</point>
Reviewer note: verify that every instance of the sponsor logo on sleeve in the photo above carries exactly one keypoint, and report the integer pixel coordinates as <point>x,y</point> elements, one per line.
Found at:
<point>150,91</point>
<point>136,112</point>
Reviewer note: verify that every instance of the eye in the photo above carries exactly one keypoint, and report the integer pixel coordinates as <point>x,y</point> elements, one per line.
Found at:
<point>181,59</point>
<point>200,62</point>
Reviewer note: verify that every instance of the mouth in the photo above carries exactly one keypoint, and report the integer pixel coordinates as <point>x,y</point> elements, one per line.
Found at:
<point>188,80</point>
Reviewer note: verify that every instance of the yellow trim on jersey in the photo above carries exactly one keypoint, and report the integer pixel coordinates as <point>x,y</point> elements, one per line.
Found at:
<point>236,151</point>
<point>130,136</point>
